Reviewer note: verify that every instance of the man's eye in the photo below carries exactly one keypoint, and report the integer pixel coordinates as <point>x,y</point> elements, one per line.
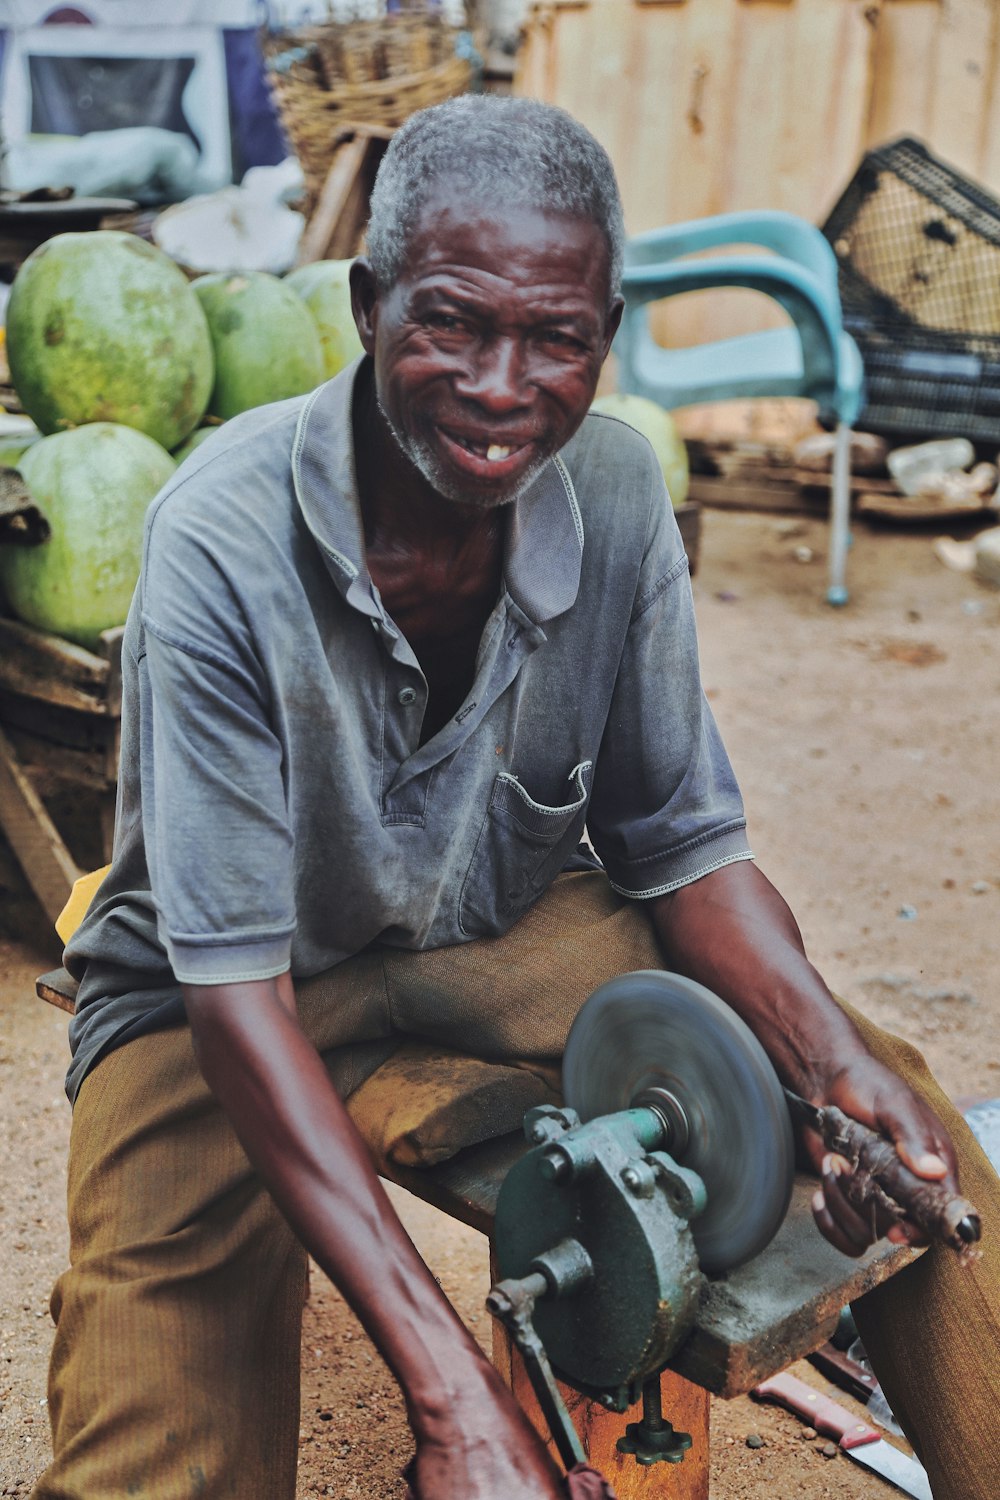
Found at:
<point>558,338</point>
<point>445,322</point>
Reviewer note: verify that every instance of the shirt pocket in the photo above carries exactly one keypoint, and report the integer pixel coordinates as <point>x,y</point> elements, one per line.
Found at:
<point>521,848</point>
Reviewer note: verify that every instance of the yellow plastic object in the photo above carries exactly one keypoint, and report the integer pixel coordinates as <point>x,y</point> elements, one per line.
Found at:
<point>80,897</point>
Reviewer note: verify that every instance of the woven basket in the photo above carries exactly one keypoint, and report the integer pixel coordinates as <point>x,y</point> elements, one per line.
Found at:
<point>380,72</point>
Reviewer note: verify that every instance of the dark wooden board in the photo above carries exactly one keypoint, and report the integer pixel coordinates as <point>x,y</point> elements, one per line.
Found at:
<point>72,727</point>
<point>21,522</point>
<point>24,226</point>
<point>58,988</point>
<point>735,492</point>
<point>43,666</point>
<point>48,762</point>
<point>761,476</point>
<point>34,838</point>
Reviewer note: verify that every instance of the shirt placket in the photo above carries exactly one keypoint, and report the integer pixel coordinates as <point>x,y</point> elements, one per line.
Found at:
<point>508,640</point>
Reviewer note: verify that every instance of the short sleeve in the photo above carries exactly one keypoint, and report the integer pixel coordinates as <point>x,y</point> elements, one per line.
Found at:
<point>216,830</point>
<point>215,817</point>
<point>666,808</point>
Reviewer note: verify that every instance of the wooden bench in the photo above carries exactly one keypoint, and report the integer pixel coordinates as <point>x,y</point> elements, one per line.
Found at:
<point>751,1323</point>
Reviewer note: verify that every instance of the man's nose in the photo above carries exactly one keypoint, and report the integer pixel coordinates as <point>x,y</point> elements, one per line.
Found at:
<point>496,377</point>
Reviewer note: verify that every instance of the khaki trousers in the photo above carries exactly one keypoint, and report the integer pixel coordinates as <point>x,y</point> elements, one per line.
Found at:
<point>175,1371</point>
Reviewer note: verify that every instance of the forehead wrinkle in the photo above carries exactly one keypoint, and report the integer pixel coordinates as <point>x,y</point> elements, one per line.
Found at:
<point>558,303</point>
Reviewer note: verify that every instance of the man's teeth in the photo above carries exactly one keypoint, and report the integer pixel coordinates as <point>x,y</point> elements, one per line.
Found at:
<point>493,452</point>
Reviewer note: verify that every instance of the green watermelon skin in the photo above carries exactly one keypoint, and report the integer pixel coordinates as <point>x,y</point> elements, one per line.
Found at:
<point>12,450</point>
<point>325,289</point>
<point>93,485</point>
<point>266,344</point>
<point>194,441</point>
<point>103,327</point>
<point>660,430</point>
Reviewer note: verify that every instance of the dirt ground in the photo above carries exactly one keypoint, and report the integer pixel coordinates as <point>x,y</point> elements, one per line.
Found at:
<point>866,742</point>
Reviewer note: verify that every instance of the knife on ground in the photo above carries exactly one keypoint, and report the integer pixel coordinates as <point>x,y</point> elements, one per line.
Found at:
<point>854,1437</point>
<point>840,1369</point>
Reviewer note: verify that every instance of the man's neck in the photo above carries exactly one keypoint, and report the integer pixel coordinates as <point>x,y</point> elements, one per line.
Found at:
<point>438,565</point>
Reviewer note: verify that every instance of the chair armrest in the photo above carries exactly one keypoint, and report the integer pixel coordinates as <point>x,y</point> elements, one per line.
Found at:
<point>794,287</point>
<point>787,235</point>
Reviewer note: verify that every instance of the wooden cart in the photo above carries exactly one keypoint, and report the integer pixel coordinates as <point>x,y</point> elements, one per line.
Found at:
<point>60,717</point>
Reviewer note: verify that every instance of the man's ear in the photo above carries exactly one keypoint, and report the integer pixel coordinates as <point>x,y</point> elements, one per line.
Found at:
<point>611,324</point>
<point>364,302</point>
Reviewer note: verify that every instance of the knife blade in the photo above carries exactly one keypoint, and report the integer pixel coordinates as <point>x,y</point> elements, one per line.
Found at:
<point>855,1438</point>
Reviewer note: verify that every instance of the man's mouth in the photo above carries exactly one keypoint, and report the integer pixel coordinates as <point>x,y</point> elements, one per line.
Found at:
<point>493,452</point>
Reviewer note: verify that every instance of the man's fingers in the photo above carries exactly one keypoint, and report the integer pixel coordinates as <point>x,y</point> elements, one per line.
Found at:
<point>852,1230</point>
<point>880,1102</point>
<point>832,1231</point>
<point>884,1104</point>
<point>924,1163</point>
<point>905,1233</point>
<point>860,1226</point>
<point>920,1139</point>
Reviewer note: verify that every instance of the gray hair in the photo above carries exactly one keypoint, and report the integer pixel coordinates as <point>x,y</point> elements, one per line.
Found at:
<point>500,149</point>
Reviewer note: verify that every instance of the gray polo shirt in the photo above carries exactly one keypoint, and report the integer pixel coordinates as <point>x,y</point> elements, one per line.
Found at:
<point>276,807</point>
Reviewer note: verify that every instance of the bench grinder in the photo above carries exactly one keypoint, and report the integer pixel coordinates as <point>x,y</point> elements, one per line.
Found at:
<point>672,1159</point>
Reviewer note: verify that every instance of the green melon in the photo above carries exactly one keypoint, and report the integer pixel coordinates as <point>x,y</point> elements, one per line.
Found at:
<point>103,327</point>
<point>13,446</point>
<point>194,441</point>
<point>325,289</point>
<point>93,486</point>
<point>659,428</point>
<point>266,344</point>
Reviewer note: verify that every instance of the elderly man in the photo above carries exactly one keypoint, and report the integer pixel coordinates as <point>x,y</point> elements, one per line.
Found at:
<point>391,646</point>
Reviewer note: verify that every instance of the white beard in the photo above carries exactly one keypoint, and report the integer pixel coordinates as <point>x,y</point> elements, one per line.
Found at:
<point>429,466</point>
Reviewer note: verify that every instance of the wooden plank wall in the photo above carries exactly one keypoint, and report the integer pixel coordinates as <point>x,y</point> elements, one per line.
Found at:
<point>936,69</point>
<point>707,106</point>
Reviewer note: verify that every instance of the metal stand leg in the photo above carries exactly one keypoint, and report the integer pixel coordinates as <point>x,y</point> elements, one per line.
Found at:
<point>840,515</point>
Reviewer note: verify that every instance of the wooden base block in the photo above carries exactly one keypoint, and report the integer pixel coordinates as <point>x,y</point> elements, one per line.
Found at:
<point>685,1405</point>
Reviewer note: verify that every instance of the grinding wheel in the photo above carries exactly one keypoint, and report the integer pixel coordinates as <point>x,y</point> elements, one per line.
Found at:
<point>651,1030</point>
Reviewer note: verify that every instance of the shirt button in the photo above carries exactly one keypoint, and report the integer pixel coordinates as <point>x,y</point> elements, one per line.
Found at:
<point>406,696</point>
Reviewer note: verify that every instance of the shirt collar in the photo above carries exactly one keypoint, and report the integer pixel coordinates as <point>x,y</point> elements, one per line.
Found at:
<point>545,536</point>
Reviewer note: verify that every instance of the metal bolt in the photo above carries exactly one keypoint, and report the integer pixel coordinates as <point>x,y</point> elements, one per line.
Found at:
<point>554,1166</point>
<point>640,1179</point>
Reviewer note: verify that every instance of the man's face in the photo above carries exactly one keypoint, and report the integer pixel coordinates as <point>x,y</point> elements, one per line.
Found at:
<point>488,347</point>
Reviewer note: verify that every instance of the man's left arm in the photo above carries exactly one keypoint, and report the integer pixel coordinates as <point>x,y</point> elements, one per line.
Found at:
<point>732,932</point>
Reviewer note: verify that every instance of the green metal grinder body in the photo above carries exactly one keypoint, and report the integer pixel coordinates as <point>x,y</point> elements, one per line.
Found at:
<point>602,1212</point>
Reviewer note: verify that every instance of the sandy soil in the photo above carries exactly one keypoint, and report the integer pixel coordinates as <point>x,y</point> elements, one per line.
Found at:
<point>866,744</point>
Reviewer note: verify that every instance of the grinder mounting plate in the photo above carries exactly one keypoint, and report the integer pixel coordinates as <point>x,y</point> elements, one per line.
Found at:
<point>651,1037</point>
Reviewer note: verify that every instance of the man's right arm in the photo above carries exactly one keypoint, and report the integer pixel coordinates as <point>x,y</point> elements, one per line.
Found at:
<point>473,1443</point>
<point>220,853</point>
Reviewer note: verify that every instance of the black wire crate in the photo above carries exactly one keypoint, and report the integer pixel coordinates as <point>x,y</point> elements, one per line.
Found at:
<point>918,251</point>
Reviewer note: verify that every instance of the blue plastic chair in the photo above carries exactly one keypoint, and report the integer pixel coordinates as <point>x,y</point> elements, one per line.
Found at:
<point>812,357</point>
